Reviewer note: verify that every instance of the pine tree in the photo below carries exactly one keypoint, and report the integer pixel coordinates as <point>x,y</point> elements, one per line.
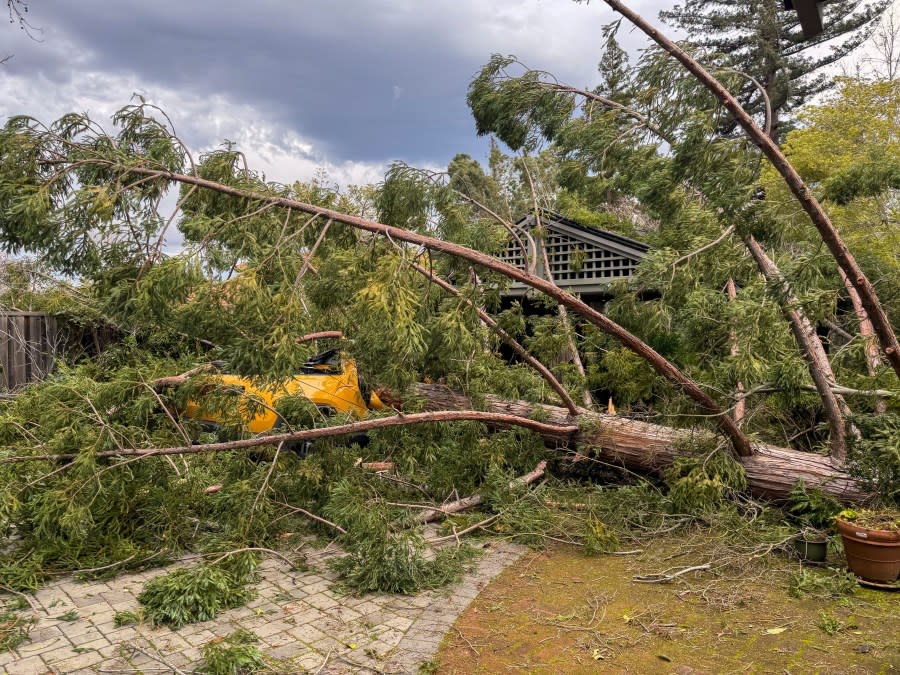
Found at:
<point>763,40</point>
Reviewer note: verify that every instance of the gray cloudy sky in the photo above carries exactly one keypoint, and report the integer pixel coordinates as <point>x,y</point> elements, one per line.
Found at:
<point>348,85</point>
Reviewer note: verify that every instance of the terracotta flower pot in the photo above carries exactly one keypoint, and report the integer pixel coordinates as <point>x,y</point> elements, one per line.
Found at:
<point>871,554</point>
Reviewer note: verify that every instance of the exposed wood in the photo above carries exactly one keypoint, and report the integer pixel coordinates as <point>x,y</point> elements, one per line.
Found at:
<point>377,466</point>
<point>820,220</point>
<point>176,380</point>
<point>335,334</point>
<point>771,472</point>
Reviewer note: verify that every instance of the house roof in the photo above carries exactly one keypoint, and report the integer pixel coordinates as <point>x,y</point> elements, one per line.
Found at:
<point>595,233</point>
<point>581,259</point>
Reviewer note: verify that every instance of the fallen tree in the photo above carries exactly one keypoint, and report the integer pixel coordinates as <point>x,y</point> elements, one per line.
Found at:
<point>771,471</point>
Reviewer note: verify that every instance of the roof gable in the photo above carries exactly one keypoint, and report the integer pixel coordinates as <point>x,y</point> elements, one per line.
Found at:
<point>581,259</point>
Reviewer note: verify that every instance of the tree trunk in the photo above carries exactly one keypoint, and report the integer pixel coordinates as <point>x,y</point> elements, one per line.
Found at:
<point>740,407</point>
<point>771,472</point>
<point>810,346</point>
<point>867,333</point>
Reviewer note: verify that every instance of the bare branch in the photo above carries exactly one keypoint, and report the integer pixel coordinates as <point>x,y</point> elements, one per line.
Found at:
<point>321,432</point>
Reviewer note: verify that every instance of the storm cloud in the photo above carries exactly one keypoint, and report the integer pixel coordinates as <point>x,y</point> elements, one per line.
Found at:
<point>346,85</point>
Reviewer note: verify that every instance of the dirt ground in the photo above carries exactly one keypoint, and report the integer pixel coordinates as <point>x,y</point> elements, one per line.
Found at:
<point>559,611</point>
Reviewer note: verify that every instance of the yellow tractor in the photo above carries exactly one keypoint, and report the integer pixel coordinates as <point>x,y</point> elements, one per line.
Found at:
<point>328,380</point>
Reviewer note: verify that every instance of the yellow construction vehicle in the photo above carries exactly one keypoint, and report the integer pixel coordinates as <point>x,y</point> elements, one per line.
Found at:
<point>329,380</point>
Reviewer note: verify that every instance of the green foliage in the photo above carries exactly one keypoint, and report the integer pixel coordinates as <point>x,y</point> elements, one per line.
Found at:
<point>14,624</point>
<point>512,107</point>
<point>383,558</point>
<point>700,482</point>
<point>192,594</point>
<point>868,179</point>
<point>235,654</point>
<point>128,618</point>
<point>812,506</point>
<point>831,625</point>
<point>599,538</point>
<point>830,583</point>
<point>876,458</point>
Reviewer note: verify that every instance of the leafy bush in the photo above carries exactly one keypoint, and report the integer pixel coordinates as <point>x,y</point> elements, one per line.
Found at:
<point>812,506</point>
<point>382,557</point>
<point>876,459</point>
<point>198,593</point>
<point>233,655</point>
<point>699,484</point>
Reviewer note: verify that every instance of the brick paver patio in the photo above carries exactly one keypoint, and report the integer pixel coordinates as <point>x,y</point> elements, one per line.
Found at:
<point>299,617</point>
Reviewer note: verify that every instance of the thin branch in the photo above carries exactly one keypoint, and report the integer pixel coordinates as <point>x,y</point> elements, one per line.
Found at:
<point>322,432</point>
<point>476,499</point>
<point>665,577</point>
<point>457,535</point>
<point>312,252</point>
<point>725,234</point>
<point>254,549</point>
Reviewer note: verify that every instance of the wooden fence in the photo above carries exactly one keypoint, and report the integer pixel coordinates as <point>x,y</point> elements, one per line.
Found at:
<point>28,343</point>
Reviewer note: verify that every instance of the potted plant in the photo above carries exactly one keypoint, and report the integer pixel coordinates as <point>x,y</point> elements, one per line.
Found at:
<point>871,540</point>
<point>811,545</point>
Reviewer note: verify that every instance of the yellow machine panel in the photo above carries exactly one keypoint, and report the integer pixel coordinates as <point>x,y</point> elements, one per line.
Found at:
<point>328,381</point>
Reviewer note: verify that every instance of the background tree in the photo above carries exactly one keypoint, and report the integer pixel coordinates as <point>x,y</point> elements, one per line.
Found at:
<point>763,39</point>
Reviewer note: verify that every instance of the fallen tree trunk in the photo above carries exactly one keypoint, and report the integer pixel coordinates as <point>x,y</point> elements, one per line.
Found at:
<point>771,471</point>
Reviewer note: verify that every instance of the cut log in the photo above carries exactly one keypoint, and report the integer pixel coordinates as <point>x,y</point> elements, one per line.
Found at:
<point>771,472</point>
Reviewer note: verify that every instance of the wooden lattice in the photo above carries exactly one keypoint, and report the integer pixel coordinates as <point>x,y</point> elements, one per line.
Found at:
<point>580,258</point>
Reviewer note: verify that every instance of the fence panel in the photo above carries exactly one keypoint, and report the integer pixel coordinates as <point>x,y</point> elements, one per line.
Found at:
<point>27,348</point>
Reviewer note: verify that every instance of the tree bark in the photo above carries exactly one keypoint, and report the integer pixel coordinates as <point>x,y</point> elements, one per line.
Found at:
<point>800,190</point>
<point>771,472</point>
<point>867,333</point>
<point>740,407</point>
<point>810,346</point>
